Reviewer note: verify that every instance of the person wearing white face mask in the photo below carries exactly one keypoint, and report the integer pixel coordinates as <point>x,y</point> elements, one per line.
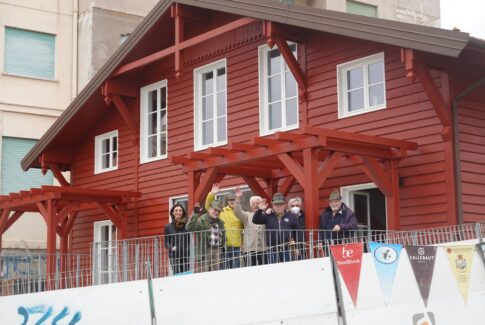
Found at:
<point>295,207</point>
<point>336,221</point>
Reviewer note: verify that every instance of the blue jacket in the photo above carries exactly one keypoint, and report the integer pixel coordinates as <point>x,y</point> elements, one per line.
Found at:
<point>345,218</point>
<point>278,231</point>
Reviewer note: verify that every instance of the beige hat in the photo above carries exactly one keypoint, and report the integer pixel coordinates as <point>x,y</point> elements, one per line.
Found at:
<point>335,195</point>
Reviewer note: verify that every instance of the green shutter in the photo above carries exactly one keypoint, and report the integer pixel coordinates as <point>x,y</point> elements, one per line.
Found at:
<point>362,9</point>
<point>29,54</point>
<point>14,178</point>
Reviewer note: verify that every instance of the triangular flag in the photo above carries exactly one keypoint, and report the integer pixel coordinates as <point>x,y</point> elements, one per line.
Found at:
<point>348,259</point>
<point>386,259</point>
<point>461,258</point>
<point>422,260</point>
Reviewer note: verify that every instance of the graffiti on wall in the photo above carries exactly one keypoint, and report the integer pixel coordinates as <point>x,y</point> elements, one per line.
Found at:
<point>42,315</point>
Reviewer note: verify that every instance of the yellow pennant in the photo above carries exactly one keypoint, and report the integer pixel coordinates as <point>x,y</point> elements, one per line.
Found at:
<point>461,258</point>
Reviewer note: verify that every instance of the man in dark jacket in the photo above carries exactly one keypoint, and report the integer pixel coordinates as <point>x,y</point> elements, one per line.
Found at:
<point>280,228</point>
<point>336,221</point>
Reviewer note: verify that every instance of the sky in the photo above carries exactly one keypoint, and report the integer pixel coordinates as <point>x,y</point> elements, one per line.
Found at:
<point>466,15</point>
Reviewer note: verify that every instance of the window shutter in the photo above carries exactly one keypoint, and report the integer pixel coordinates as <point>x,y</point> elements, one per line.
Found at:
<point>14,178</point>
<point>29,54</point>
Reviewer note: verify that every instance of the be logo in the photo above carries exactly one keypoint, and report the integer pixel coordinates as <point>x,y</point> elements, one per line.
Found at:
<point>424,319</point>
<point>347,253</point>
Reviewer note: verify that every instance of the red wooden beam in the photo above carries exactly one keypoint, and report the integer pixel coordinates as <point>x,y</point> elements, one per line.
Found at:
<point>310,187</point>
<point>256,187</point>
<point>328,166</point>
<point>58,175</point>
<point>3,220</point>
<point>12,219</point>
<point>51,221</point>
<point>116,87</point>
<point>288,183</point>
<point>70,223</point>
<point>376,173</point>
<point>293,167</point>
<point>177,14</point>
<point>111,213</point>
<point>205,184</point>
<point>292,63</point>
<point>266,142</point>
<point>220,151</point>
<point>183,45</point>
<point>127,118</point>
<point>393,203</point>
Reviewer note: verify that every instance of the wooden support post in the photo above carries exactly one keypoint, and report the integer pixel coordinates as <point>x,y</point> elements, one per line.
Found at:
<point>51,244</point>
<point>205,185</point>
<point>176,12</point>
<point>393,203</point>
<point>191,186</point>
<point>58,174</point>
<point>3,222</point>
<point>310,187</point>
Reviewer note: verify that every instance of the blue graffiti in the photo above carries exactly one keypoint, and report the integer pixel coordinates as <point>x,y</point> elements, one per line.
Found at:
<point>46,312</point>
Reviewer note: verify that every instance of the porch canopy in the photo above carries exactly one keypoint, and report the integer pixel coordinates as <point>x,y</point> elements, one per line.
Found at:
<point>59,206</point>
<point>308,156</point>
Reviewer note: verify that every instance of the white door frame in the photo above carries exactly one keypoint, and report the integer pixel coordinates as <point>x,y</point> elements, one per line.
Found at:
<point>345,192</point>
<point>111,249</point>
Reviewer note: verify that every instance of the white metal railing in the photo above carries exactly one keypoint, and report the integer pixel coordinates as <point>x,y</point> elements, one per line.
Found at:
<point>161,256</point>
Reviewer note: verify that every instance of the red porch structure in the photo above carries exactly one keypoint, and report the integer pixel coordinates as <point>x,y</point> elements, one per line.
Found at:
<point>275,163</point>
<point>59,206</point>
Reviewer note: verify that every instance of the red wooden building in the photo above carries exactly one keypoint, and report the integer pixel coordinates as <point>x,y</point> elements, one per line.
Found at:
<point>278,97</point>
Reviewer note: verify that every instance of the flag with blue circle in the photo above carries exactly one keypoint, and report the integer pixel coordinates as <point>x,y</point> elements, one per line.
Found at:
<point>386,259</point>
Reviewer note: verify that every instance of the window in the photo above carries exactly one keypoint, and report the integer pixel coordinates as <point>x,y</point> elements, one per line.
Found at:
<point>104,252</point>
<point>153,139</point>
<point>29,54</point>
<point>183,200</point>
<point>13,178</point>
<point>362,9</point>
<point>210,104</point>
<point>361,85</point>
<point>106,152</point>
<point>278,92</point>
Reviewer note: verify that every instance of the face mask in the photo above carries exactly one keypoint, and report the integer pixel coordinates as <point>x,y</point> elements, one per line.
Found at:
<point>295,210</point>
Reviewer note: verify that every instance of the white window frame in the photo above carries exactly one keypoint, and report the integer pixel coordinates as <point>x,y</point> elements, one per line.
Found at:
<point>214,66</point>
<point>98,154</point>
<point>112,252</point>
<point>144,91</point>
<point>342,69</point>
<point>263,93</point>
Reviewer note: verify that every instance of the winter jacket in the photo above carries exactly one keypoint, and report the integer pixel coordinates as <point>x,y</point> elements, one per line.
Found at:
<point>345,218</point>
<point>278,230</point>
<point>178,238</point>
<point>201,225</point>
<point>253,233</point>
<point>232,224</point>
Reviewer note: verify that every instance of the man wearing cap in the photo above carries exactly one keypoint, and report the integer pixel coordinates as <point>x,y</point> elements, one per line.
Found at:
<point>337,220</point>
<point>210,237</point>
<point>280,228</point>
<point>233,227</point>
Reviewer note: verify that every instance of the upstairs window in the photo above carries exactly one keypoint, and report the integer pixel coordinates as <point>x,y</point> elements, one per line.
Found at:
<point>278,92</point>
<point>361,85</point>
<point>153,139</point>
<point>210,105</point>
<point>106,152</point>
<point>363,9</point>
<point>29,53</point>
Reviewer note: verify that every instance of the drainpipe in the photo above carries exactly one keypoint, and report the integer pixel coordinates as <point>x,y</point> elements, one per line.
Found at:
<point>456,147</point>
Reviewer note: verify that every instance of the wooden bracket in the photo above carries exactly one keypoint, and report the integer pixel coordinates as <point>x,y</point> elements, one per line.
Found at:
<point>287,185</point>
<point>204,186</point>
<point>256,187</point>
<point>126,116</point>
<point>416,68</point>
<point>293,167</point>
<point>58,174</point>
<point>378,175</point>
<point>327,166</point>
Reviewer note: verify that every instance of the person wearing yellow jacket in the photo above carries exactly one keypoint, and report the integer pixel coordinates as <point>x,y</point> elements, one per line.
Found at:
<point>233,228</point>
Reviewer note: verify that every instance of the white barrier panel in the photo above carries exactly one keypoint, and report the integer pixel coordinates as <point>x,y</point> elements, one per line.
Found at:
<point>298,293</point>
<point>445,304</point>
<point>120,303</point>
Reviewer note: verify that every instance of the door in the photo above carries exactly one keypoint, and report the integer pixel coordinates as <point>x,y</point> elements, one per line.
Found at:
<point>104,252</point>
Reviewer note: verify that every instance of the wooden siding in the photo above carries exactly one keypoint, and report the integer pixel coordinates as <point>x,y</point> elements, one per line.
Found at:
<point>408,116</point>
<point>472,154</point>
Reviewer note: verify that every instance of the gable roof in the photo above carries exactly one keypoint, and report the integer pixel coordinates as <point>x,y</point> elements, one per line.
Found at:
<point>422,38</point>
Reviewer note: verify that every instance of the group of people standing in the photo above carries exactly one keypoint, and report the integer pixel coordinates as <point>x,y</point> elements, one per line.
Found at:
<point>225,236</point>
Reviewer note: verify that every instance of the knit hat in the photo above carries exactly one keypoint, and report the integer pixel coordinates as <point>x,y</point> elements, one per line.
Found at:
<point>335,195</point>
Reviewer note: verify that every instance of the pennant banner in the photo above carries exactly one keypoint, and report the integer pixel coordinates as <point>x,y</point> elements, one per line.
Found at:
<point>422,260</point>
<point>386,259</point>
<point>461,258</point>
<point>348,259</point>
<point>481,252</point>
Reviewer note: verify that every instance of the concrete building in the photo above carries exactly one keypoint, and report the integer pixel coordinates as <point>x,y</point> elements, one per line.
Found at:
<point>38,54</point>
